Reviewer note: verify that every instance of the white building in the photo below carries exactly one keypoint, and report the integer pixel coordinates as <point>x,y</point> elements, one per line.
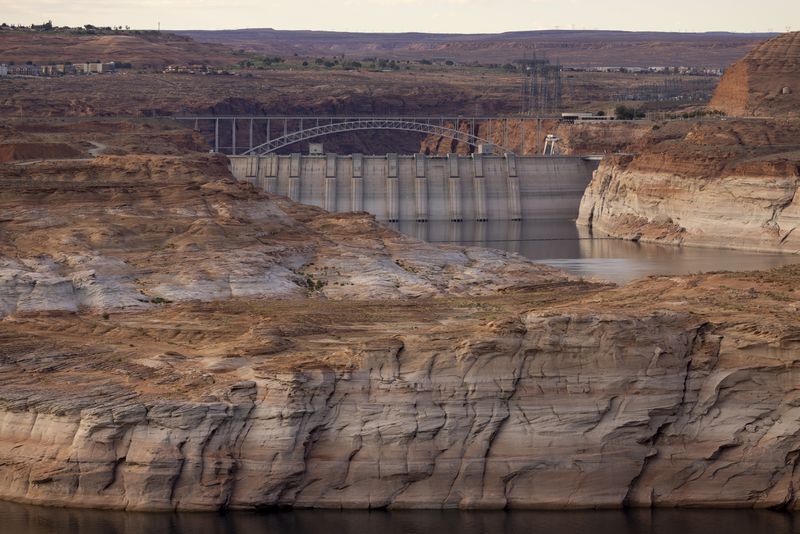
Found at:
<point>3,70</point>
<point>89,68</point>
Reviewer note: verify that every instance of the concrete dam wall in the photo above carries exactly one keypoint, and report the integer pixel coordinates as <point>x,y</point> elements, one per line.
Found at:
<point>422,188</point>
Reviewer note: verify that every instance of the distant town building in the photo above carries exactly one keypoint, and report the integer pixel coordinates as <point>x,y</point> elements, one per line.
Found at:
<point>24,70</point>
<point>52,70</point>
<point>195,68</point>
<point>57,69</point>
<point>89,68</point>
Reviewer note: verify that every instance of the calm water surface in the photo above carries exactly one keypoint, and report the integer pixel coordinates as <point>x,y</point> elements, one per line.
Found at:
<point>563,244</point>
<point>15,518</point>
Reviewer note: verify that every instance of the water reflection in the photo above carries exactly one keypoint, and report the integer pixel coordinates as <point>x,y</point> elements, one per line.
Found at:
<point>565,245</point>
<point>16,518</point>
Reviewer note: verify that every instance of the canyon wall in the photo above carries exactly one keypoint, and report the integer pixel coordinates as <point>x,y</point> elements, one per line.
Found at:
<point>546,409</point>
<point>527,137</point>
<point>751,212</point>
<point>711,183</point>
<point>722,182</point>
<point>766,82</point>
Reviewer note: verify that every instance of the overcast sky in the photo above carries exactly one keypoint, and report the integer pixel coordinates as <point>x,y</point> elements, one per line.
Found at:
<point>445,16</point>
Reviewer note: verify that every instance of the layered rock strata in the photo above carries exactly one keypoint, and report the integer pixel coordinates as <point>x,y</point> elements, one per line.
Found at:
<point>766,82</point>
<point>133,231</point>
<point>570,397</point>
<point>730,184</point>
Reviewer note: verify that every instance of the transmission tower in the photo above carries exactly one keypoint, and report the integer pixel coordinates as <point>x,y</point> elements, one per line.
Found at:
<point>541,85</point>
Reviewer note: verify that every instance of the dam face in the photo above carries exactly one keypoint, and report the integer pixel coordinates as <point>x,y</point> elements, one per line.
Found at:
<point>422,188</point>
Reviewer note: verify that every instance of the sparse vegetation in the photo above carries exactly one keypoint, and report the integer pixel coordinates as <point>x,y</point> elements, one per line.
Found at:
<point>86,29</point>
<point>696,114</point>
<point>308,281</point>
<point>627,113</point>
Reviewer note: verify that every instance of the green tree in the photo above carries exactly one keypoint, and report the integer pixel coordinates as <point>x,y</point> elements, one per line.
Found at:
<point>626,113</point>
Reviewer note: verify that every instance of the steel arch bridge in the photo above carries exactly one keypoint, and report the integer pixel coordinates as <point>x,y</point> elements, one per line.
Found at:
<point>354,125</point>
<point>259,135</point>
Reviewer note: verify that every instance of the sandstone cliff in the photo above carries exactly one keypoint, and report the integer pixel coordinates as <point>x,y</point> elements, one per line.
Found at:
<point>731,184</point>
<point>527,137</point>
<point>766,82</point>
<point>666,393</point>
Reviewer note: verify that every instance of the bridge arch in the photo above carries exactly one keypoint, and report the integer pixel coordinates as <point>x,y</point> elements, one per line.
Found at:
<point>353,125</point>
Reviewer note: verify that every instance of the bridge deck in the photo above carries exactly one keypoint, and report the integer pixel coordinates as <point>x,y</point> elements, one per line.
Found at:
<point>240,134</point>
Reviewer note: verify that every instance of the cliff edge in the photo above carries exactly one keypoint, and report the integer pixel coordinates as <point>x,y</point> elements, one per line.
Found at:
<point>714,183</point>
<point>766,82</point>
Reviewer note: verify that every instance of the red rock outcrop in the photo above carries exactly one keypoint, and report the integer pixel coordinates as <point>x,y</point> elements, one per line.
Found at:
<point>29,151</point>
<point>766,82</point>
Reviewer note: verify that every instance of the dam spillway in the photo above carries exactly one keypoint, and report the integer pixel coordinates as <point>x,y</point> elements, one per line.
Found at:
<point>421,187</point>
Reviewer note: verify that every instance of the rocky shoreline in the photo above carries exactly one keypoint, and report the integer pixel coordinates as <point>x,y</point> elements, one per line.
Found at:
<point>722,184</point>
<point>669,392</point>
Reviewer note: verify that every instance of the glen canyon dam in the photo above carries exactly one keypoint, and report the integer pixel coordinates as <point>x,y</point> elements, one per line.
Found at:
<point>369,278</point>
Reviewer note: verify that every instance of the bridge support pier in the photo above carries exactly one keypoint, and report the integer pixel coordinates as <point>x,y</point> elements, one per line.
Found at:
<point>233,136</point>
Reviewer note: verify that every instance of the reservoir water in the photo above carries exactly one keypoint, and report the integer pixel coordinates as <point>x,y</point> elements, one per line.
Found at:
<point>563,244</point>
<point>23,519</point>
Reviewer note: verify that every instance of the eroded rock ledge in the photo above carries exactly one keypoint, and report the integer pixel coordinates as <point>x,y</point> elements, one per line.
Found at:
<point>722,183</point>
<point>571,397</point>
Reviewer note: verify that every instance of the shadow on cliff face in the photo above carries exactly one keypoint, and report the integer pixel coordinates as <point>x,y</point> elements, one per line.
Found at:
<point>40,520</point>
